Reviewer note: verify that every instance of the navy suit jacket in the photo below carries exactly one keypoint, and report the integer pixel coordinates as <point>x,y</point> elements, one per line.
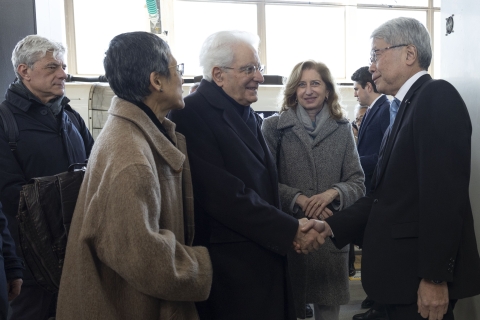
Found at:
<point>370,136</point>
<point>417,222</point>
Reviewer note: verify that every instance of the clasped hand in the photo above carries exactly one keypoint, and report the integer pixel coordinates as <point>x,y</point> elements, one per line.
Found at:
<point>311,235</point>
<point>316,205</point>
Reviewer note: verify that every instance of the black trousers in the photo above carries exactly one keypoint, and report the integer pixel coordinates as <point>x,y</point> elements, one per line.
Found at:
<point>410,311</point>
<point>33,303</point>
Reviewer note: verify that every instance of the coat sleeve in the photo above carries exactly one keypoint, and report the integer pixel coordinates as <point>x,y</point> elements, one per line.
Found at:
<point>11,177</point>
<point>84,132</point>
<point>224,196</point>
<point>129,241</point>
<point>13,264</point>
<point>351,187</point>
<point>442,142</point>
<point>273,137</point>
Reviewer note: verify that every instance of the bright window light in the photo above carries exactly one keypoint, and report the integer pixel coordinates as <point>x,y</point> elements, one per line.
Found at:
<point>97,22</point>
<point>195,21</point>
<point>310,32</point>
<point>410,3</point>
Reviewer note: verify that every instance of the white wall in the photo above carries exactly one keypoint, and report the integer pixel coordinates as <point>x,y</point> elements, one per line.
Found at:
<point>460,66</point>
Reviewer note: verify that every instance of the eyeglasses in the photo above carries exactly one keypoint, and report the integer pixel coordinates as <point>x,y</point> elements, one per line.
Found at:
<point>374,53</point>
<point>180,68</point>
<point>249,69</point>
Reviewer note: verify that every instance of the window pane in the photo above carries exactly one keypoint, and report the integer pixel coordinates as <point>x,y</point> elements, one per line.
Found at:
<point>195,21</point>
<point>91,40</point>
<point>437,3</point>
<point>437,36</point>
<point>304,36</point>
<point>367,21</point>
<point>411,3</point>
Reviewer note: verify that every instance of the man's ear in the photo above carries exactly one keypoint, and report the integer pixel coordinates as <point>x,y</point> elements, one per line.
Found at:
<point>412,55</point>
<point>22,70</point>
<point>369,87</point>
<point>155,81</point>
<point>217,76</point>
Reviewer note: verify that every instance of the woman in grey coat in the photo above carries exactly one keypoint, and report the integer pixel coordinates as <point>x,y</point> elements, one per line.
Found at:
<point>319,173</point>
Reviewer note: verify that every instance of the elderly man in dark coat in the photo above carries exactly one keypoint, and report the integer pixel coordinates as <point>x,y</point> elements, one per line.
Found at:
<point>237,207</point>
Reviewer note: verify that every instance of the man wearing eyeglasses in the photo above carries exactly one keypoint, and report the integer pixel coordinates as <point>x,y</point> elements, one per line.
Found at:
<point>237,206</point>
<point>416,226</point>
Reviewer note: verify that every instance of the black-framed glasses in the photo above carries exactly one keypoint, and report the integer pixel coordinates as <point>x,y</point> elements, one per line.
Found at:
<point>180,68</point>
<point>374,53</point>
<point>249,69</point>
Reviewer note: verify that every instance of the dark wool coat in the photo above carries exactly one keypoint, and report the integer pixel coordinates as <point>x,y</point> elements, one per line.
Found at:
<point>417,221</point>
<point>237,210</point>
<point>128,253</point>
<point>312,167</point>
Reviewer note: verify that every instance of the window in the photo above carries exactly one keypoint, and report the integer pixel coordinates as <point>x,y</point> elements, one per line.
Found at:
<point>194,21</point>
<point>93,33</point>
<point>336,32</point>
<point>316,33</point>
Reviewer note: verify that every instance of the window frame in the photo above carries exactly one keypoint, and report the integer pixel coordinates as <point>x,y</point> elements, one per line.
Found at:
<point>168,7</point>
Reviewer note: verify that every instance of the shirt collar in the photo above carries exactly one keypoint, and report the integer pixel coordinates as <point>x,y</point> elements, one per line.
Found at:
<point>374,101</point>
<point>408,84</point>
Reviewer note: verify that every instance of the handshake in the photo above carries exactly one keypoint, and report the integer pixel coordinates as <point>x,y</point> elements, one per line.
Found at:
<point>311,235</point>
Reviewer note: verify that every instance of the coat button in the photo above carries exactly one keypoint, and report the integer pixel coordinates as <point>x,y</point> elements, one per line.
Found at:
<point>43,112</point>
<point>375,201</point>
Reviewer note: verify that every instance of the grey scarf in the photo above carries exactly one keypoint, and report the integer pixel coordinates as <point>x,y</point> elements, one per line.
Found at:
<point>312,127</point>
<point>55,105</point>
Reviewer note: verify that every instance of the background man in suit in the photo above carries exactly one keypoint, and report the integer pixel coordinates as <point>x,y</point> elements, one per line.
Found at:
<point>237,205</point>
<point>419,248</point>
<point>373,126</point>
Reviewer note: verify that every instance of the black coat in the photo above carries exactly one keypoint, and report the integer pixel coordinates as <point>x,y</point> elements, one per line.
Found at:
<point>10,265</point>
<point>370,136</point>
<point>45,146</point>
<point>417,222</point>
<point>236,210</point>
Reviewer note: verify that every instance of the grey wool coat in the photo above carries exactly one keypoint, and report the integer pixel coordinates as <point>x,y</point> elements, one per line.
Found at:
<point>129,253</point>
<point>312,167</point>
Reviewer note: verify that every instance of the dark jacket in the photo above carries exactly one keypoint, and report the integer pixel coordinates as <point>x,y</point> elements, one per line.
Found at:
<point>417,221</point>
<point>237,213</point>
<point>46,146</point>
<point>370,136</point>
<point>11,266</point>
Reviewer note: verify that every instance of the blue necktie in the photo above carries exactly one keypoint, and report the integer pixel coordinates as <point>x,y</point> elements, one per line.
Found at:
<point>394,105</point>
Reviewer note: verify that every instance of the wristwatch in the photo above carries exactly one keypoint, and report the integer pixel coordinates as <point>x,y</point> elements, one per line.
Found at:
<point>437,281</point>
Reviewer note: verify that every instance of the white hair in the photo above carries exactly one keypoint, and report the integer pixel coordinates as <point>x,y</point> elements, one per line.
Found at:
<point>33,48</point>
<point>218,49</point>
<point>407,31</point>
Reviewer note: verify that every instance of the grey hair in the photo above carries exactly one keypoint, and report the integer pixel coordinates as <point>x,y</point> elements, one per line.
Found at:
<point>33,48</point>
<point>130,59</point>
<point>358,107</point>
<point>407,31</point>
<point>218,49</point>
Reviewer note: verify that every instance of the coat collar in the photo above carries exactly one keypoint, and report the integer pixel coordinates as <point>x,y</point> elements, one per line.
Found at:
<point>157,140</point>
<point>375,108</point>
<point>231,117</point>
<point>392,132</point>
<point>289,119</point>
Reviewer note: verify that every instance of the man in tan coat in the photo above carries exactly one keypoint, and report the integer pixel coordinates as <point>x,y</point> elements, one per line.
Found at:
<point>129,253</point>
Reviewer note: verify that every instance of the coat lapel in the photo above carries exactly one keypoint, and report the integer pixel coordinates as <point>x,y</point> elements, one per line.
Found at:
<point>232,118</point>
<point>370,115</point>
<point>392,132</point>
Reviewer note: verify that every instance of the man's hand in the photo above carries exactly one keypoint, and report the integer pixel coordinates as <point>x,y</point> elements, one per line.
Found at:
<point>14,287</point>
<point>319,230</point>
<point>305,241</point>
<point>316,205</point>
<point>432,300</point>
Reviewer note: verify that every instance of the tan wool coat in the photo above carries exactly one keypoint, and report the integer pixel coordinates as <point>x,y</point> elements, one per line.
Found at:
<point>129,253</point>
